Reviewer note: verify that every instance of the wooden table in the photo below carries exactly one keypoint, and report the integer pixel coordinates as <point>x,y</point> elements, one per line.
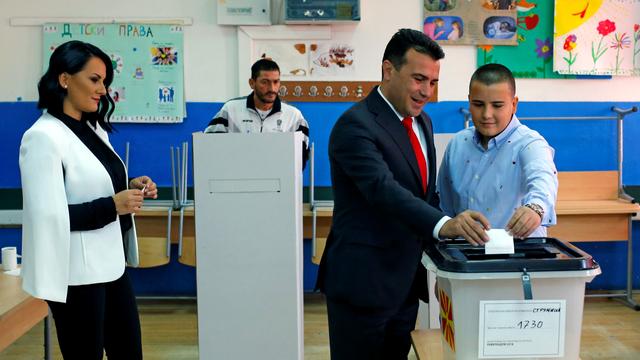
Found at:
<point>153,232</point>
<point>590,208</point>
<point>323,219</point>
<point>158,226</point>
<point>19,312</point>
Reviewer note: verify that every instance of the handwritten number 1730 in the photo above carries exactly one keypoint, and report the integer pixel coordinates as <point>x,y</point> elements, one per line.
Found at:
<point>530,324</point>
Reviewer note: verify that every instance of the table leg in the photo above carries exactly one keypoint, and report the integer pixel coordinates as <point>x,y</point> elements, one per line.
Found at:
<point>628,299</point>
<point>47,337</point>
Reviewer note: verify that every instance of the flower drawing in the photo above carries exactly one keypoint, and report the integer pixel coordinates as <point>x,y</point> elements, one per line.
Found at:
<point>636,43</point>
<point>569,46</point>
<point>605,27</point>
<point>486,49</point>
<point>544,50</point>
<point>620,42</point>
<point>570,42</point>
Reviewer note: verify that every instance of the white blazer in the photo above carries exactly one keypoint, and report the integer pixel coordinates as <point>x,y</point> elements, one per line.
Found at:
<point>53,257</point>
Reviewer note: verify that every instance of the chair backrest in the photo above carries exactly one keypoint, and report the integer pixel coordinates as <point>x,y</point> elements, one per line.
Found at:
<point>588,185</point>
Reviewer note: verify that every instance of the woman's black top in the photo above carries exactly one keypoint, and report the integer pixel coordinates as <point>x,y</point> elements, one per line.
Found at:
<point>99,212</point>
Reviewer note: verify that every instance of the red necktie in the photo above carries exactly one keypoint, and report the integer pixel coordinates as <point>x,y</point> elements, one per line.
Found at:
<point>417,149</point>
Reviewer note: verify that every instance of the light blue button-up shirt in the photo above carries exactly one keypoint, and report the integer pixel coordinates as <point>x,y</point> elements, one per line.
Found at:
<point>516,168</point>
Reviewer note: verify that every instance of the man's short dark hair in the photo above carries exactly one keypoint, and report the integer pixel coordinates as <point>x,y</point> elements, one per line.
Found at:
<point>406,39</point>
<point>263,65</point>
<point>489,74</point>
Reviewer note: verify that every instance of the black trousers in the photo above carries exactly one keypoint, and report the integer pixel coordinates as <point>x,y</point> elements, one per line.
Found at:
<point>98,318</point>
<point>371,334</point>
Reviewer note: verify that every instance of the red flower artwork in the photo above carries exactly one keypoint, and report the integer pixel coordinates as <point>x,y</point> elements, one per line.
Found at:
<point>570,42</point>
<point>606,27</point>
<point>636,43</point>
<point>569,45</point>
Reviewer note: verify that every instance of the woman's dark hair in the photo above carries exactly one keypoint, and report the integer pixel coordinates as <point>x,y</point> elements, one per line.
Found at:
<point>71,57</point>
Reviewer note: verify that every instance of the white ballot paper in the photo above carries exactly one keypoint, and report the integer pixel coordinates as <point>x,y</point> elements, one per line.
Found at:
<point>500,242</point>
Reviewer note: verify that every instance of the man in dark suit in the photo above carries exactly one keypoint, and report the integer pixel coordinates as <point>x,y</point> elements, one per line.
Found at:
<point>383,171</point>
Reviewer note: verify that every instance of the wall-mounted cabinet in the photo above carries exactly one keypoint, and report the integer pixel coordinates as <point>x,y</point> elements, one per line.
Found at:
<point>244,12</point>
<point>321,11</point>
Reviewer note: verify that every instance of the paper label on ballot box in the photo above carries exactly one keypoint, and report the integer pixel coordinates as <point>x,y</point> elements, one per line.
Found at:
<point>521,329</point>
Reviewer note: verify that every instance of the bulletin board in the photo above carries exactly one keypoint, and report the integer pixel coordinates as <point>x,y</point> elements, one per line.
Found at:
<point>464,22</point>
<point>147,59</point>
<point>533,57</point>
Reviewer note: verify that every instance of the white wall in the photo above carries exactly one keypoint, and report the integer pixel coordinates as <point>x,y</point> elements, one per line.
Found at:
<point>211,51</point>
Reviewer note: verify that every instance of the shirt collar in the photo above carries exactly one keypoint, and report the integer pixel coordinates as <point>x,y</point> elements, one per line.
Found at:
<point>503,136</point>
<point>388,103</point>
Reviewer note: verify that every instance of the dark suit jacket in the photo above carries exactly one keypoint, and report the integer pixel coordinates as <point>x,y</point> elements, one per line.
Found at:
<point>381,218</point>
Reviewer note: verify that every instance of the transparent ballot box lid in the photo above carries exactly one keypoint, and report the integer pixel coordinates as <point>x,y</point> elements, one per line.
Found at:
<point>532,254</point>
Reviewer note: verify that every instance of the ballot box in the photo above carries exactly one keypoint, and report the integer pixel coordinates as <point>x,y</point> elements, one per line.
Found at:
<point>525,305</point>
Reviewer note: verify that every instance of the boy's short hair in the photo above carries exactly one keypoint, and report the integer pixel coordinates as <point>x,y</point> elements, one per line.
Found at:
<point>490,74</point>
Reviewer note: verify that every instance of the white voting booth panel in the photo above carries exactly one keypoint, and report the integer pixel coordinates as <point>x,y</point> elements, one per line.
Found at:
<point>248,217</point>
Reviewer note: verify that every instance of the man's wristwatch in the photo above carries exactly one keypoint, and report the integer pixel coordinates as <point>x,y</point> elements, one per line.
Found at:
<point>537,208</point>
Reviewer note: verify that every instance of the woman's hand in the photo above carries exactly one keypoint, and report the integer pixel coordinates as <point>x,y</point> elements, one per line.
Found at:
<point>145,182</point>
<point>128,201</point>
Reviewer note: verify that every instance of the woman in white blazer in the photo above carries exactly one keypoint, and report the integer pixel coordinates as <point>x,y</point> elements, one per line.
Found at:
<point>78,229</point>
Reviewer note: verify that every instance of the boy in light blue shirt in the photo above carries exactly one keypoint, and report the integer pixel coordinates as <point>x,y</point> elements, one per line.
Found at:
<point>499,167</point>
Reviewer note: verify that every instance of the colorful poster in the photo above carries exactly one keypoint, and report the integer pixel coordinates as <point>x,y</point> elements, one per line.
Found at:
<point>463,22</point>
<point>292,58</point>
<point>317,59</point>
<point>532,58</point>
<point>332,59</point>
<point>148,84</point>
<point>597,37</point>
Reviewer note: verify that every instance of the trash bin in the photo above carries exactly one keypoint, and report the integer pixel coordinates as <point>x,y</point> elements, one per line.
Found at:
<point>525,305</point>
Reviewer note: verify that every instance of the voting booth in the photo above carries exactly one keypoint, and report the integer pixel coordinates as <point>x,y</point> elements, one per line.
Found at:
<point>524,305</point>
<point>248,219</point>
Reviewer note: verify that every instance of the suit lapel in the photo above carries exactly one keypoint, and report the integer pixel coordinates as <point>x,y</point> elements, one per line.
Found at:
<point>390,122</point>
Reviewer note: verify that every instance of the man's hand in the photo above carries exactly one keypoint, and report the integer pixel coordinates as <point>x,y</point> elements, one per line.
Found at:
<point>470,225</point>
<point>523,222</point>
